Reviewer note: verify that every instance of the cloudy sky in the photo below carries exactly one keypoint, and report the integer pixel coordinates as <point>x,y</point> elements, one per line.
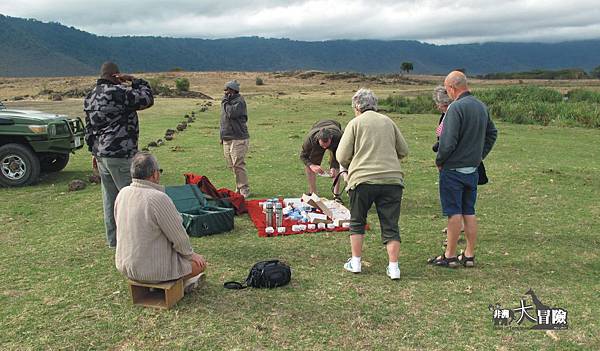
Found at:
<point>433,21</point>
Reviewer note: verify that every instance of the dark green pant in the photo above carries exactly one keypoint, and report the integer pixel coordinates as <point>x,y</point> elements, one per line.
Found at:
<point>387,199</point>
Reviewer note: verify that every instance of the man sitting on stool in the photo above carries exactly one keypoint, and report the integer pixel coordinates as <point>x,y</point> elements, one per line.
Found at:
<point>323,135</point>
<point>152,244</point>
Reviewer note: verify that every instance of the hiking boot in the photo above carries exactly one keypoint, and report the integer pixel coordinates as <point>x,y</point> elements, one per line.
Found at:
<point>245,192</point>
<point>356,268</point>
<point>393,273</point>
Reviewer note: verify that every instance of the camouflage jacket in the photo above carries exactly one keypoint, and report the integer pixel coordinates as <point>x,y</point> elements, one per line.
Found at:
<point>233,118</point>
<point>112,126</point>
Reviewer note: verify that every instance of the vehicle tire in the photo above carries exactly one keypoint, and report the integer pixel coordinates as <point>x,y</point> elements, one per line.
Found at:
<point>19,165</point>
<point>54,162</point>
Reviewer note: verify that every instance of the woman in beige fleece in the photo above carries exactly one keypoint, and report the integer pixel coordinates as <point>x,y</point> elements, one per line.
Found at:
<point>371,149</point>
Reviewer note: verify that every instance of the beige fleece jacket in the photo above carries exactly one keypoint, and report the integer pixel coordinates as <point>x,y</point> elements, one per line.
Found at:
<point>152,245</point>
<point>371,149</point>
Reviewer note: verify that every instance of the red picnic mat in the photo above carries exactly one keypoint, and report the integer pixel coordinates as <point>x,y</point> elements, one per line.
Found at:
<point>259,220</point>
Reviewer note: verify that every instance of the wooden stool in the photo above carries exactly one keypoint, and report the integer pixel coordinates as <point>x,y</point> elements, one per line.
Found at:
<point>159,295</point>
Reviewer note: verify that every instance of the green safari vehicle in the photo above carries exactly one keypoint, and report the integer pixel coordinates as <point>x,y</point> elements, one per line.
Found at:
<point>32,142</point>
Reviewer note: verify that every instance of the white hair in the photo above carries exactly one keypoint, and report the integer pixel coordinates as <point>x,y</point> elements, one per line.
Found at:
<point>364,100</point>
<point>440,96</point>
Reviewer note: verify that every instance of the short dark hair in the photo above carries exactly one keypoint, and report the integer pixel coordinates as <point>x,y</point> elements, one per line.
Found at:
<point>107,70</point>
<point>143,165</point>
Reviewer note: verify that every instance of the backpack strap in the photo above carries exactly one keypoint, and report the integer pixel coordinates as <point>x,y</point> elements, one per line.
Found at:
<point>335,181</point>
<point>234,285</point>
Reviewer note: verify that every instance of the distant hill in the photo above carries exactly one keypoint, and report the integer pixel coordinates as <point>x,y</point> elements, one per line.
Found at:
<point>33,48</point>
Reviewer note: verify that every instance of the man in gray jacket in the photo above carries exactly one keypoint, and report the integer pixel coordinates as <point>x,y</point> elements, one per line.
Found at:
<point>467,137</point>
<point>234,134</point>
<point>112,131</point>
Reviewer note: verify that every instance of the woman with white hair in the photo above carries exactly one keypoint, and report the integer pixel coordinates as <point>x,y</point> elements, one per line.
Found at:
<point>442,101</point>
<point>371,149</point>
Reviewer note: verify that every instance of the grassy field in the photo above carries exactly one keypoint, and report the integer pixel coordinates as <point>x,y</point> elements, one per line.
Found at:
<point>539,220</point>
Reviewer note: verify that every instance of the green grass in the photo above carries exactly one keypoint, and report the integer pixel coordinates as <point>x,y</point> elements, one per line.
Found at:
<point>539,220</point>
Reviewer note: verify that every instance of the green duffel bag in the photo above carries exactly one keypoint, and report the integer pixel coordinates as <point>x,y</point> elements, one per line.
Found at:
<point>208,220</point>
<point>186,197</point>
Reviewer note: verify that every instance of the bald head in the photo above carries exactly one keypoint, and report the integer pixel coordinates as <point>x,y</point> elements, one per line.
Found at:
<point>456,84</point>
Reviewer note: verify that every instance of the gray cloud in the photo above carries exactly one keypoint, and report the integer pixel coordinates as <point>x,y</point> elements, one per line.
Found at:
<point>435,21</point>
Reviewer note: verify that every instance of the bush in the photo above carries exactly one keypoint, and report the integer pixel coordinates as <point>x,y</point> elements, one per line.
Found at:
<point>521,104</point>
<point>182,84</point>
<point>520,93</point>
<point>582,95</point>
<point>403,104</point>
<point>259,81</point>
<point>158,88</point>
<point>536,105</point>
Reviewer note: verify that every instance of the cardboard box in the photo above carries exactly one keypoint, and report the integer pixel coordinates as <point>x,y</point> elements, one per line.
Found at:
<point>339,213</point>
<point>336,212</point>
<point>317,218</point>
<point>315,201</point>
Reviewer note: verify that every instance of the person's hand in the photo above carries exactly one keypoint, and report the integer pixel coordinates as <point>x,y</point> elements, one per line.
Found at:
<point>94,164</point>
<point>123,77</point>
<point>316,169</point>
<point>439,167</point>
<point>200,261</point>
<point>332,172</point>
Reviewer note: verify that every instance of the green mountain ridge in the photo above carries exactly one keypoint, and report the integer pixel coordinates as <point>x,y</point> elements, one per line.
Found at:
<point>34,48</point>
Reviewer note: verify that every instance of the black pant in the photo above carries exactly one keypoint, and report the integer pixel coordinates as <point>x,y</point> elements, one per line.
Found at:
<point>387,199</point>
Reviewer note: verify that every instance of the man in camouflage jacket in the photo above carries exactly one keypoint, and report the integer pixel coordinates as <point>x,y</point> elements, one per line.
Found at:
<point>112,131</point>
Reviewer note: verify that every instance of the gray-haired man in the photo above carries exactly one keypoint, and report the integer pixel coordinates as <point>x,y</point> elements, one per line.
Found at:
<point>323,135</point>
<point>467,137</point>
<point>153,245</point>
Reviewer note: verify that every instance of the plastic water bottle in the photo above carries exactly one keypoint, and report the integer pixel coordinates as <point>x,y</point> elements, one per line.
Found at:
<point>278,214</point>
<point>269,214</point>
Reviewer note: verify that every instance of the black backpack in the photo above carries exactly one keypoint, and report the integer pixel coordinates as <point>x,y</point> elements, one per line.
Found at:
<point>265,274</point>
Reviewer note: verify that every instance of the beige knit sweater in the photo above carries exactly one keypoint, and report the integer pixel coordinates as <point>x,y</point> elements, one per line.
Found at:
<point>371,149</point>
<point>152,245</point>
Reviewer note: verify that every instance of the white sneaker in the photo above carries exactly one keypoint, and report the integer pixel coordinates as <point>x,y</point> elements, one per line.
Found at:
<point>393,273</point>
<point>191,284</point>
<point>352,268</point>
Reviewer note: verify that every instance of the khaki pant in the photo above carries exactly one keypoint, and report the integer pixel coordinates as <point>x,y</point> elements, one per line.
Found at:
<point>235,154</point>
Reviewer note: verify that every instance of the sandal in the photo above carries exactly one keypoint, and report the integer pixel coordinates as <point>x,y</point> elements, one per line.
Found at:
<point>468,262</point>
<point>443,261</point>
